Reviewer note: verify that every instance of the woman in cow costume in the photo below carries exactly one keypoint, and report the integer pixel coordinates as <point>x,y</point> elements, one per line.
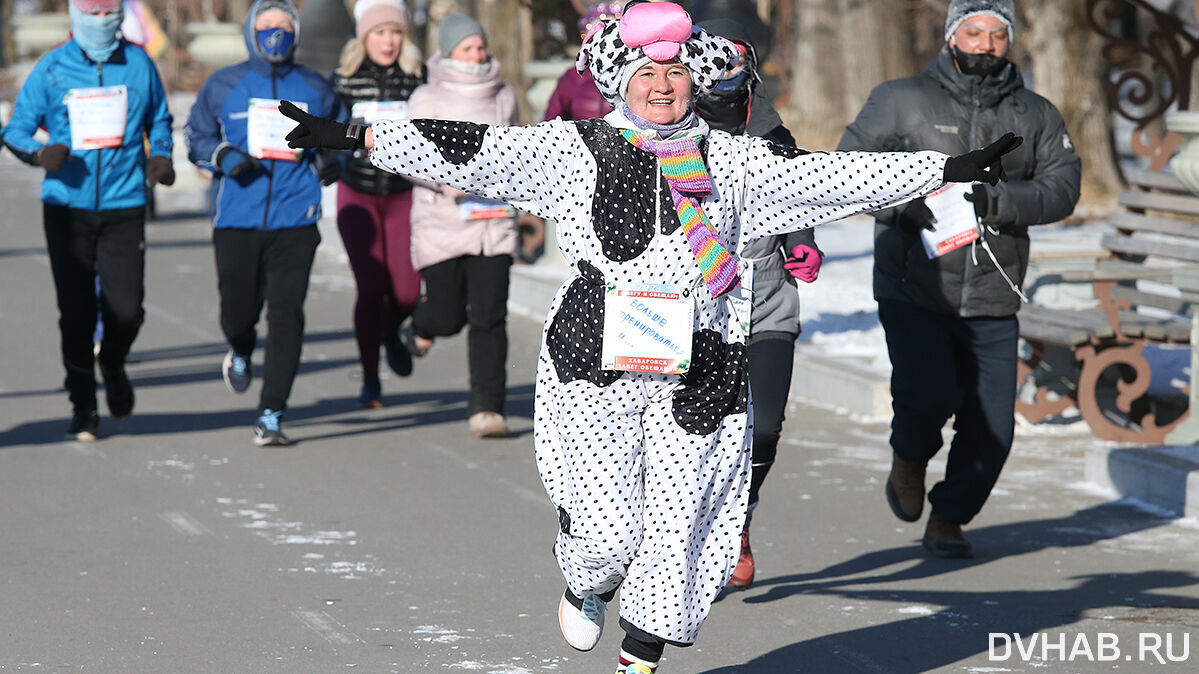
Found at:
<point>641,426</point>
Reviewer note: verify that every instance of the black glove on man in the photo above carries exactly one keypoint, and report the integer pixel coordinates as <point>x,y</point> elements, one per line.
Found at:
<point>52,157</point>
<point>983,165</point>
<point>313,131</point>
<point>981,200</point>
<point>159,171</point>
<point>234,163</point>
<point>915,216</point>
<point>328,169</point>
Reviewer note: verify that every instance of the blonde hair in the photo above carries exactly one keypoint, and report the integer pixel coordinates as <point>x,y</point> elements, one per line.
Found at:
<point>354,53</point>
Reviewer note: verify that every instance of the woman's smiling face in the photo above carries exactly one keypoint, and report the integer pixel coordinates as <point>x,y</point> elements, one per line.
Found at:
<point>660,92</point>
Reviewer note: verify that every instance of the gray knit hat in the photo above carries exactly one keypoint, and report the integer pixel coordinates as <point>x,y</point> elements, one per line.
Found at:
<point>454,29</point>
<point>960,10</point>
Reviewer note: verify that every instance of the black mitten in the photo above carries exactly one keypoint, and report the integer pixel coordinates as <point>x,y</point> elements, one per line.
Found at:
<point>983,165</point>
<point>328,169</point>
<point>915,216</point>
<point>52,157</point>
<point>981,200</point>
<point>313,131</point>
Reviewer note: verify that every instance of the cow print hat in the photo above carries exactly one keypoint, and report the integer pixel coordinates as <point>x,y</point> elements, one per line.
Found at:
<point>653,32</point>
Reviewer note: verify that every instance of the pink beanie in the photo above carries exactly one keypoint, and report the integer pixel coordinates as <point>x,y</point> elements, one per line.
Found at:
<point>370,14</point>
<point>92,6</point>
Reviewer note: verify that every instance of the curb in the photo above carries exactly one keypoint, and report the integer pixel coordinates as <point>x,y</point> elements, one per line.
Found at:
<point>1166,478</point>
<point>839,383</point>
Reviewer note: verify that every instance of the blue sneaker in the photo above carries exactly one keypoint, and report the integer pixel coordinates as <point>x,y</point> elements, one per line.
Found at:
<point>267,432</point>
<point>238,372</point>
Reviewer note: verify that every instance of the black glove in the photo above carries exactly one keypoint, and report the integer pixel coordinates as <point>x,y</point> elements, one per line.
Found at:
<point>315,131</point>
<point>915,216</point>
<point>981,200</point>
<point>160,171</point>
<point>52,157</point>
<point>235,163</point>
<point>328,169</point>
<point>982,165</point>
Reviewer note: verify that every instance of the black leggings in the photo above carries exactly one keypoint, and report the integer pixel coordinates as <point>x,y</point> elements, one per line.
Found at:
<point>83,245</point>
<point>771,356</point>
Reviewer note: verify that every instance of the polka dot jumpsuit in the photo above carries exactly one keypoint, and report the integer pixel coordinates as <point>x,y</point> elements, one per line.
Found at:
<point>648,472</point>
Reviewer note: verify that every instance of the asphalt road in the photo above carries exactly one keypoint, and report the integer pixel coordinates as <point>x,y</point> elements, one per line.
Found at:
<point>390,540</point>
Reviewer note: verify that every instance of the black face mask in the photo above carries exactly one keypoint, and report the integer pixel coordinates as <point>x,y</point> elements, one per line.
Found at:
<point>725,110</point>
<point>978,64</point>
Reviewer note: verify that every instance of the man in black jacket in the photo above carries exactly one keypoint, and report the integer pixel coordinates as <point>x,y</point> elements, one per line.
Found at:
<point>950,318</point>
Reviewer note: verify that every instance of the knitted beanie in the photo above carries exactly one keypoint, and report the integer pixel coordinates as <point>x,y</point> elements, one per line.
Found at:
<point>960,10</point>
<point>370,14</point>
<point>93,6</point>
<point>656,32</point>
<point>454,29</point>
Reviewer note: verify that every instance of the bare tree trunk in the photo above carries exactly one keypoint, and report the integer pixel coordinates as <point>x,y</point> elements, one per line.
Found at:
<point>1069,69</point>
<point>817,88</point>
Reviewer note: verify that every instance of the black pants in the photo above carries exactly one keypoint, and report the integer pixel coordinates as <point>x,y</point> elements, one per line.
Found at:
<point>82,244</point>
<point>771,359</point>
<point>943,366</point>
<point>471,289</point>
<point>272,266</point>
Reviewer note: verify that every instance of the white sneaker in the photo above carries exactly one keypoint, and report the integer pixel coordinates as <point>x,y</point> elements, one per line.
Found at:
<point>582,628</point>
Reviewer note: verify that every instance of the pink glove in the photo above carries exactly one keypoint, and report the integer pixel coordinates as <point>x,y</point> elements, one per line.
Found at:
<point>804,263</point>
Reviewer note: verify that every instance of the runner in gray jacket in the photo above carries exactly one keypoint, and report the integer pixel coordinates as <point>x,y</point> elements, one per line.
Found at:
<point>950,320</point>
<point>738,107</point>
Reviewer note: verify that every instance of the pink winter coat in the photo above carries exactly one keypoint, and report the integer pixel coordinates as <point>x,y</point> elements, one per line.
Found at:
<point>440,230</point>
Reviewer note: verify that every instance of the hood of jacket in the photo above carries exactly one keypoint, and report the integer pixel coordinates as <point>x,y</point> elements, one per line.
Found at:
<point>987,89</point>
<point>485,85</point>
<point>258,60</point>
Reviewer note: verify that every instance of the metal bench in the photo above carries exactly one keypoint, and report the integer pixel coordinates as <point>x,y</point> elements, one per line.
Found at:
<point>1155,234</point>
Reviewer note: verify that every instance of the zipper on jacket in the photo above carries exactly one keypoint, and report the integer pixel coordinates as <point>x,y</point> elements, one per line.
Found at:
<point>100,78</point>
<point>965,297</point>
<point>270,175</point>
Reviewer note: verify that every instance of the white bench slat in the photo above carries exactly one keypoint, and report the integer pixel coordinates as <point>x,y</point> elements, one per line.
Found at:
<point>1147,223</point>
<point>1132,245</point>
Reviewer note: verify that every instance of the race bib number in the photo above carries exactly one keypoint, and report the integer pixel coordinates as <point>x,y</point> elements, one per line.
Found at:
<point>741,298</point>
<point>954,218</point>
<point>478,208</point>
<point>267,128</point>
<point>647,328</point>
<point>97,116</point>
<point>372,111</point>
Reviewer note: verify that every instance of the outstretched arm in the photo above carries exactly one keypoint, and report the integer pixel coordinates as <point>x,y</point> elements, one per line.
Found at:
<point>787,190</point>
<point>522,165</point>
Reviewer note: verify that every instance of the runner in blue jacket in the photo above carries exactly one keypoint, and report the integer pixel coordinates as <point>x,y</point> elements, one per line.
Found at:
<point>99,98</point>
<point>268,202</point>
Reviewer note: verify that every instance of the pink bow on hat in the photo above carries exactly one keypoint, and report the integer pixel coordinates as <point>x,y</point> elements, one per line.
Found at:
<point>659,28</point>
<point>94,6</point>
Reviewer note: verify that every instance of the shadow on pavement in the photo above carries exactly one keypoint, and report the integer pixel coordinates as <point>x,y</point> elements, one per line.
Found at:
<point>433,408</point>
<point>1082,528</point>
<point>404,410</point>
<point>975,614</point>
<point>961,629</point>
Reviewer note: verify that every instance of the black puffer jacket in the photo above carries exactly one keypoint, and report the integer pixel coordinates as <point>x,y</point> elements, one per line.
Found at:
<point>947,111</point>
<point>373,82</point>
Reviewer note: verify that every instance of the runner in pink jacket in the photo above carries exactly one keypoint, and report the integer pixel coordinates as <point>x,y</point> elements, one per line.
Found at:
<point>462,244</point>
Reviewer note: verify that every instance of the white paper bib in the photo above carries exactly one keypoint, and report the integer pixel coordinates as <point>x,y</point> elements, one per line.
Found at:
<point>97,116</point>
<point>478,208</point>
<point>648,327</point>
<point>372,111</point>
<point>267,128</point>
<point>954,218</point>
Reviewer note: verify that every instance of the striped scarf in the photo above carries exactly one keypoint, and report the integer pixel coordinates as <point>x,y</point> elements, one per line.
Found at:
<point>685,173</point>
